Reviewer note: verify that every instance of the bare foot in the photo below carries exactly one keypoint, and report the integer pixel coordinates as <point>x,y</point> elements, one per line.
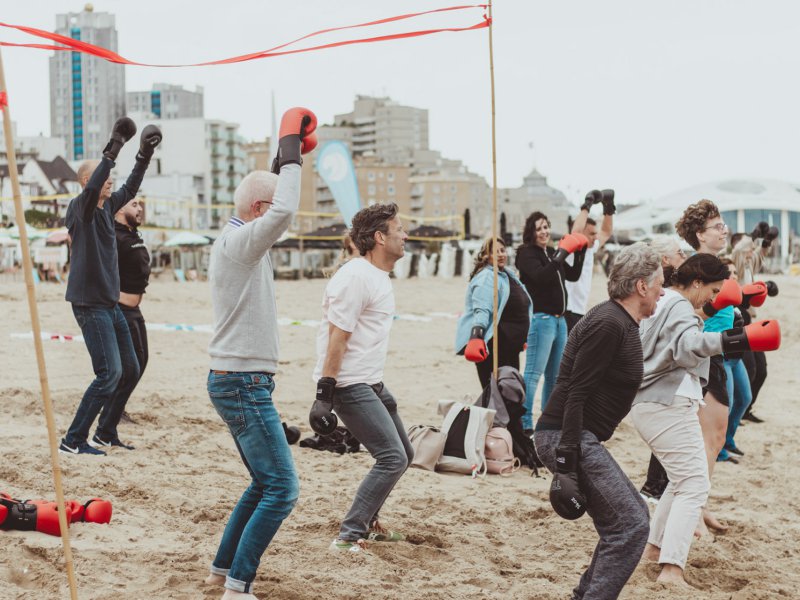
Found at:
<point>712,522</point>
<point>231,595</point>
<point>214,579</point>
<point>651,552</point>
<point>673,575</point>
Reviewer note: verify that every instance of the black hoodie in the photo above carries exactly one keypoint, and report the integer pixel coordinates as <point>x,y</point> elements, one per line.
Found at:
<point>544,278</point>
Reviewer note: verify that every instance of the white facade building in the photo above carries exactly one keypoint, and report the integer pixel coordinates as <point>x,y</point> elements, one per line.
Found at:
<point>209,160</point>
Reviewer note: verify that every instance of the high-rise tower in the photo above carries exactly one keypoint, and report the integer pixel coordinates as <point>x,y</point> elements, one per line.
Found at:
<point>87,94</point>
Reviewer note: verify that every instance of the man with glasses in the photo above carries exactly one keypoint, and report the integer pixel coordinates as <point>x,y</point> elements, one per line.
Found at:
<point>244,355</point>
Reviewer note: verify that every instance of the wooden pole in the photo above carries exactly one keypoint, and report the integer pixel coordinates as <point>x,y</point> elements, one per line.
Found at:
<point>27,267</point>
<point>495,333</point>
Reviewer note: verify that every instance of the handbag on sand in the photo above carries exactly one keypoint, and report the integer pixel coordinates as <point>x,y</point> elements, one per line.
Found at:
<point>428,443</point>
<point>500,457</point>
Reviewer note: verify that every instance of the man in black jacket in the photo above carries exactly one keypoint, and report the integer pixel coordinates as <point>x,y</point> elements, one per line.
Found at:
<point>93,286</point>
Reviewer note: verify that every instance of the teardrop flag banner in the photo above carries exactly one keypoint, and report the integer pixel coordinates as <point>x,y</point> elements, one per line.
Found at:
<point>73,45</point>
<point>335,167</point>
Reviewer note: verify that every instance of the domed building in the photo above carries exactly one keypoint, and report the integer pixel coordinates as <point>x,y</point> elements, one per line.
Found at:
<point>742,202</point>
<point>534,194</point>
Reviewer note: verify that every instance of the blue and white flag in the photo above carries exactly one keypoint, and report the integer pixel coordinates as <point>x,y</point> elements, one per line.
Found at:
<point>335,167</point>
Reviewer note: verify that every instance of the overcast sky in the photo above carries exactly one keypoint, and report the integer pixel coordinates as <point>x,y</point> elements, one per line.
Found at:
<point>645,97</point>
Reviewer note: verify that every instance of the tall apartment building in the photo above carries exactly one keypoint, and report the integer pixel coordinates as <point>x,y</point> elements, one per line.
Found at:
<point>384,129</point>
<point>167,101</point>
<point>87,94</point>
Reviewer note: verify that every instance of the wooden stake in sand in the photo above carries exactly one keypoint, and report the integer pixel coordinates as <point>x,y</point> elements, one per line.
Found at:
<point>27,267</point>
<point>494,200</point>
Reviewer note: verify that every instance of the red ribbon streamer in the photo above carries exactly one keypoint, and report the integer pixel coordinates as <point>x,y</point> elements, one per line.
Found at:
<point>3,100</point>
<point>73,45</point>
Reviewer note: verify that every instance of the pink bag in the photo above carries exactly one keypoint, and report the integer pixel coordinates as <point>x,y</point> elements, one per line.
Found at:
<point>500,452</point>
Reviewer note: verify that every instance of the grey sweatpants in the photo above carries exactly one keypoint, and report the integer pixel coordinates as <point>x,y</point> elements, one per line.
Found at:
<point>620,516</point>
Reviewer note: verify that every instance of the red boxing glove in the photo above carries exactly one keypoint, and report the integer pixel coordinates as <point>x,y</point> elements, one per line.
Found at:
<point>761,336</point>
<point>97,510</point>
<point>297,124</point>
<point>3,513</point>
<point>730,294</point>
<point>566,246</point>
<point>755,293</point>
<point>582,239</point>
<point>297,121</point>
<point>309,143</point>
<point>47,517</point>
<point>476,350</point>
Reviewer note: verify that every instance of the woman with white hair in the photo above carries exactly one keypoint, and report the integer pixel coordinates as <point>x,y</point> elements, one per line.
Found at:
<point>600,373</point>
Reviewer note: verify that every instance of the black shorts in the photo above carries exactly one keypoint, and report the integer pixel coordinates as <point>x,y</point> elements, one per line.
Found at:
<point>717,380</point>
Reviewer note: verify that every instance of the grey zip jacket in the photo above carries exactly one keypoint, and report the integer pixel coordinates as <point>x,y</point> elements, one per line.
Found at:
<point>674,344</point>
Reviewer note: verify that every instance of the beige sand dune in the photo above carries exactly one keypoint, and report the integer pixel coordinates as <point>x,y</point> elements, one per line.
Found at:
<point>485,538</point>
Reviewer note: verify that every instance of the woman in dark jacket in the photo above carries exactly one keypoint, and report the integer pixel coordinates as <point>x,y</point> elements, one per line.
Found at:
<point>543,272</point>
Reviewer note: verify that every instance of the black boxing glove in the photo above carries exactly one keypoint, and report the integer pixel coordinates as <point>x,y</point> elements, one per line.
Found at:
<point>565,492</point>
<point>608,202</point>
<point>772,288</point>
<point>769,237</point>
<point>592,198</point>
<point>321,419</point>
<point>150,138</point>
<point>123,130</point>
<point>760,230</point>
<point>291,432</point>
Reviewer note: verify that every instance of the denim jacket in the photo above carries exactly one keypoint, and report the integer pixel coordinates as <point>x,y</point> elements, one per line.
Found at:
<point>478,304</point>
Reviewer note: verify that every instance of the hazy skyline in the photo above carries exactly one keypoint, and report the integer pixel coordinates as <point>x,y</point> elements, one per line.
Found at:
<point>642,97</point>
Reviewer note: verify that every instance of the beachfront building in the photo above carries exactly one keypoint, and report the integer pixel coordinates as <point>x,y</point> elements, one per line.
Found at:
<point>87,93</point>
<point>384,129</point>
<point>743,203</point>
<point>193,173</point>
<point>534,194</point>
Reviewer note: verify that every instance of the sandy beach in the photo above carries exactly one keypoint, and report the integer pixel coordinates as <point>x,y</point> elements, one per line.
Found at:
<point>495,537</point>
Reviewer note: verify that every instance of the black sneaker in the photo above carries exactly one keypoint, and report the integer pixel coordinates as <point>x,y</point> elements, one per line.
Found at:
<point>752,418</point>
<point>735,451</point>
<point>83,448</point>
<point>96,442</point>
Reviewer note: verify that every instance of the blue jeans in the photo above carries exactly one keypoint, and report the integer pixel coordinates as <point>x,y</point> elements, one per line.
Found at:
<point>370,413</point>
<point>244,402</point>
<point>546,340</point>
<point>110,346</point>
<point>739,396</point>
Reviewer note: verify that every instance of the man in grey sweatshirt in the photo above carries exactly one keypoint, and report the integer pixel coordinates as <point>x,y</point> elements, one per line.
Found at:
<point>244,355</point>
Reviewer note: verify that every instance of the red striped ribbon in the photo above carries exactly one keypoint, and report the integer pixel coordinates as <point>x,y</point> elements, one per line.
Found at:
<point>72,45</point>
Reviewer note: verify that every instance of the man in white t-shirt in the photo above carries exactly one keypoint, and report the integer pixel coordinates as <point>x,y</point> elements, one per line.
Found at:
<point>358,310</point>
<point>578,291</point>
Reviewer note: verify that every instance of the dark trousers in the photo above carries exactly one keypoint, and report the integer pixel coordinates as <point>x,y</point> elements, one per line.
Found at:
<point>112,411</point>
<point>756,365</point>
<point>572,320</point>
<point>108,341</point>
<point>619,514</point>
<point>507,356</point>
